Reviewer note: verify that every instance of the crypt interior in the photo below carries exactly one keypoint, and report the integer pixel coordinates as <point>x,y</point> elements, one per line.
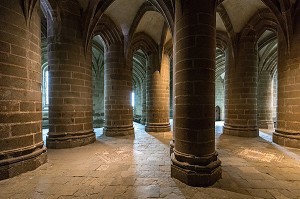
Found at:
<point>149,99</point>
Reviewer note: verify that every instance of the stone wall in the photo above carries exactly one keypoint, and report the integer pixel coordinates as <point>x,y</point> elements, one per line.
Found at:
<point>220,95</point>
<point>98,97</point>
<point>274,115</point>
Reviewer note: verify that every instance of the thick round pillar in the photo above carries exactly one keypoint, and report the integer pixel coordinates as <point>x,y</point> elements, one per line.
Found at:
<point>194,158</point>
<point>70,81</point>
<point>287,132</point>
<point>158,94</point>
<point>265,101</point>
<point>117,92</point>
<point>241,91</point>
<point>21,145</point>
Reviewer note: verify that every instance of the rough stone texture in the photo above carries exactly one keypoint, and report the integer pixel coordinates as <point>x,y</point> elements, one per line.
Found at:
<point>144,105</point>
<point>275,99</point>
<point>139,64</point>
<point>98,96</point>
<point>21,145</point>
<point>171,89</point>
<point>220,96</point>
<point>70,85</point>
<point>139,167</point>
<point>241,91</point>
<point>117,92</point>
<point>265,101</point>
<point>288,116</point>
<point>194,159</point>
<point>158,94</point>
<point>138,96</point>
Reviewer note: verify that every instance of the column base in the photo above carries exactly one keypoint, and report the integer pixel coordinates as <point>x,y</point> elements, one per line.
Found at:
<point>205,171</point>
<point>285,138</point>
<point>241,131</point>
<point>266,125</point>
<point>69,140</point>
<point>158,127</point>
<point>19,161</point>
<point>172,145</point>
<point>118,131</point>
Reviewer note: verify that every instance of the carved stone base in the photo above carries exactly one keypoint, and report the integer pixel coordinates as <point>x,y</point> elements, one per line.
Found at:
<point>172,145</point>
<point>202,173</point>
<point>22,160</point>
<point>69,140</point>
<point>157,127</point>
<point>285,138</point>
<point>240,131</point>
<point>118,131</point>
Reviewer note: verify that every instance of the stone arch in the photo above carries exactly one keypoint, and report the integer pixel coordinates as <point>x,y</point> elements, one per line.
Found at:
<point>263,20</point>
<point>108,31</point>
<point>141,12</point>
<point>227,22</point>
<point>268,61</point>
<point>278,8</point>
<point>224,44</point>
<point>28,8</point>
<point>168,49</point>
<point>139,63</point>
<point>144,42</point>
<point>96,9</point>
<point>166,10</point>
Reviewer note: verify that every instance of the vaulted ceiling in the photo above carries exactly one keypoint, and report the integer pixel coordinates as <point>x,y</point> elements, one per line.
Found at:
<point>155,18</point>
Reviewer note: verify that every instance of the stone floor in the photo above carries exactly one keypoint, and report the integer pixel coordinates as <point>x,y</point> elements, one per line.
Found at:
<point>139,167</point>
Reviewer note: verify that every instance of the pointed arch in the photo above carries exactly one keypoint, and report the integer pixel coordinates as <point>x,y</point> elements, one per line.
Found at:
<point>108,31</point>
<point>144,42</point>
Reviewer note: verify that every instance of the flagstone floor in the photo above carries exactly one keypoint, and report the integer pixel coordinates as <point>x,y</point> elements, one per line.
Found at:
<point>138,166</point>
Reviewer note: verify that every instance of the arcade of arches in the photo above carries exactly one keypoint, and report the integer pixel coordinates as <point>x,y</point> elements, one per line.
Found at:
<point>184,77</point>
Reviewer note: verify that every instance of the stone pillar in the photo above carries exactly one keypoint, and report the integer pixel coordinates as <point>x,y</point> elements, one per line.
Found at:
<point>171,89</point>
<point>21,145</point>
<point>158,94</point>
<point>241,91</point>
<point>144,103</point>
<point>220,93</point>
<point>265,100</point>
<point>194,158</point>
<point>287,132</point>
<point>274,110</point>
<point>117,92</point>
<point>70,81</point>
<point>98,97</point>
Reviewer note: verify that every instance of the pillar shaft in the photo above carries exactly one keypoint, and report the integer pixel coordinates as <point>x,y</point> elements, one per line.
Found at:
<point>194,158</point>
<point>287,132</point>
<point>144,103</point>
<point>220,93</point>
<point>70,82</point>
<point>21,146</point>
<point>241,91</point>
<point>117,92</point>
<point>158,95</point>
<point>265,101</point>
<point>98,97</point>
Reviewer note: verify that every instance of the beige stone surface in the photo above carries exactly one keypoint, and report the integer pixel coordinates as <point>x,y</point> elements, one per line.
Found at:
<point>138,166</point>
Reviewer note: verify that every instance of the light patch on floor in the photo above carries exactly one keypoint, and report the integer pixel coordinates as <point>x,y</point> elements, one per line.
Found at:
<point>116,155</point>
<point>259,155</point>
